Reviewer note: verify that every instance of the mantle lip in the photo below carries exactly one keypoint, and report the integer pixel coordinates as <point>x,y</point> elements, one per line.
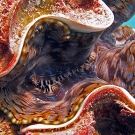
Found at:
<point>40,126</point>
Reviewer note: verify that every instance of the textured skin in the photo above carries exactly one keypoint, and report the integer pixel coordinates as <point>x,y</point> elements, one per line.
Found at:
<point>123,10</point>
<point>117,66</point>
<point>6,12</point>
<point>123,35</point>
<point>38,82</point>
<point>6,127</point>
<point>43,79</point>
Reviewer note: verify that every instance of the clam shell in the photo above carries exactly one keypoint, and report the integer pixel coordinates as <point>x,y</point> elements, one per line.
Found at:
<point>112,93</point>
<point>79,19</point>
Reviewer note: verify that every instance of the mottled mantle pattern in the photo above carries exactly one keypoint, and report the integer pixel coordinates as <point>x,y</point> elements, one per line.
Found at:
<point>123,10</point>
<point>112,60</point>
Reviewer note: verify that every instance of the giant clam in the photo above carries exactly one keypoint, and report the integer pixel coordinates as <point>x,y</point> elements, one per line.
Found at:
<point>123,11</point>
<point>58,77</point>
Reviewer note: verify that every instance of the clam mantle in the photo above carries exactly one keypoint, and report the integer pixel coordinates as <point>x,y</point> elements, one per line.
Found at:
<point>62,72</point>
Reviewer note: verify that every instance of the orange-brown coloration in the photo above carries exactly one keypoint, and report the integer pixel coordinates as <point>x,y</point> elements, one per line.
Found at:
<point>83,126</point>
<point>7,64</point>
<point>6,127</point>
<point>117,66</point>
<point>7,59</point>
<point>123,34</point>
<point>20,102</point>
<point>86,120</point>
